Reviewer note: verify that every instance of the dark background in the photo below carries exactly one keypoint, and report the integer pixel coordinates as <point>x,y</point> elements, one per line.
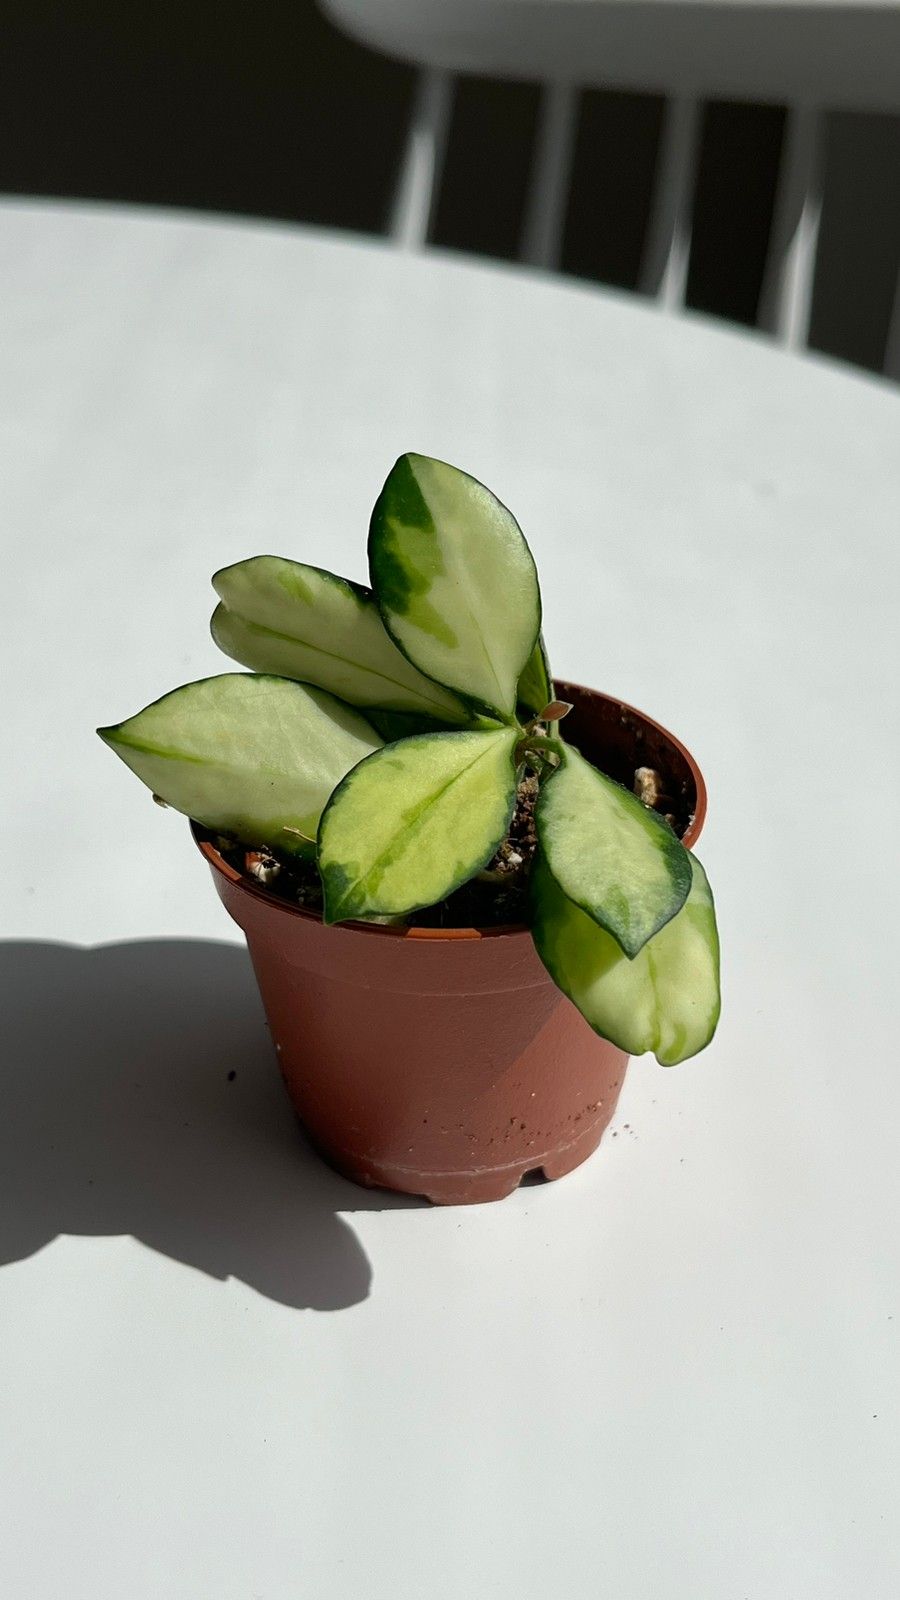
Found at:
<point>268,111</point>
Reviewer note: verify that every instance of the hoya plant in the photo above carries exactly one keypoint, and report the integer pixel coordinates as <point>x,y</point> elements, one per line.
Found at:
<point>385,735</point>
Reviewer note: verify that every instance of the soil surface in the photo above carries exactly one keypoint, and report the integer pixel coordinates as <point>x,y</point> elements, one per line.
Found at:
<point>497,896</point>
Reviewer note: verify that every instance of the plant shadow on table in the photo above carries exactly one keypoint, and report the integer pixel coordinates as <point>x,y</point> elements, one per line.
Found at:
<point>141,1096</point>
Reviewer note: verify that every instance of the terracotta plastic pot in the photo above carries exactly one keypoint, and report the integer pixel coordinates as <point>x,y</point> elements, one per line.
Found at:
<point>444,1063</point>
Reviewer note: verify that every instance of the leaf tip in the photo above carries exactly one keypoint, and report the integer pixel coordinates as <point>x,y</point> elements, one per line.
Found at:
<point>337,894</point>
<point>220,576</point>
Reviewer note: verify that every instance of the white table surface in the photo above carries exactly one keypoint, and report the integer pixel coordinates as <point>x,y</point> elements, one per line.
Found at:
<point>227,1374</point>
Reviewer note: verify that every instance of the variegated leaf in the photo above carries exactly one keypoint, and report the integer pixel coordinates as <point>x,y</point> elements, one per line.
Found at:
<point>279,616</point>
<point>455,581</point>
<point>415,821</point>
<point>535,689</point>
<point>609,853</point>
<point>256,757</point>
<point>393,725</point>
<point>665,1000</point>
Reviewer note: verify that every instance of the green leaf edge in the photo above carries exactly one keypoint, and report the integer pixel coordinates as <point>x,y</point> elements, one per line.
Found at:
<point>479,707</point>
<point>307,849</point>
<point>680,854</point>
<point>195,683</point>
<point>550,966</point>
<point>539,652</point>
<point>421,905</point>
<point>359,592</point>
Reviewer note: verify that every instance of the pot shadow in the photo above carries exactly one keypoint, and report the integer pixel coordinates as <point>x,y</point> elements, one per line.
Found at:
<point>141,1095</point>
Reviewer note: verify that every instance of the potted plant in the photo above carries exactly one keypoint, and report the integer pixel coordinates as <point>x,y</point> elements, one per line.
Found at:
<point>462,918</point>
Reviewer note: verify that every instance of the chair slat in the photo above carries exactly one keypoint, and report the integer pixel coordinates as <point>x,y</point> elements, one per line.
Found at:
<point>892,350</point>
<point>545,210</point>
<point>423,158</point>
<point>786,297</point>
<point>667,251</point>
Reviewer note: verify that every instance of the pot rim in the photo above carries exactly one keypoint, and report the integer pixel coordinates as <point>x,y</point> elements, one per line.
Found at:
<point>217,861</point>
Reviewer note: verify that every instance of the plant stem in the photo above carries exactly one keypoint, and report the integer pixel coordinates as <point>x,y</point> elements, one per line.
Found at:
<point>543,741</point>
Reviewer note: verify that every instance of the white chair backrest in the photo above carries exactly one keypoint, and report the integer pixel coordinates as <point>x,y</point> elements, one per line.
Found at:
<point>793,52</point>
